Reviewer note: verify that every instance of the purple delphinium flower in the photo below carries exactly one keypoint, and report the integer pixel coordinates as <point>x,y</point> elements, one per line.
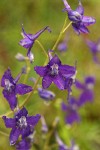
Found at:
<point>79,21</point>
<point>71,111</point>
<point>54,72</point>
<point>12,88</point>
<point>95,49</point>
<point>46,94</point>
<point>29,39</point>
<point>87,90</point>
<point>21,124</point>
<point>24,144</point>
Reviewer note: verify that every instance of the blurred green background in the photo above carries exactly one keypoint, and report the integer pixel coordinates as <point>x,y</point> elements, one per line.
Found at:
<point>35,15</point>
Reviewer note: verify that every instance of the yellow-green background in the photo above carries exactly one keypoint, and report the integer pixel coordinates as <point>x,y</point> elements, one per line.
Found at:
<point>36,14</point>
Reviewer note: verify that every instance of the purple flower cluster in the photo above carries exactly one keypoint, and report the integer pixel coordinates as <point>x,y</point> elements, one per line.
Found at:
<point>87,95</point>
<point>79,21</point>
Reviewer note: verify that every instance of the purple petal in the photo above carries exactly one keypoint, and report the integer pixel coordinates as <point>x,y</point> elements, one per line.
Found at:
<point>26,43</point>
<point>92,45</point>
<point>62,47</point>
<point>59,81</point>
<point>7,75</point>
<point>67,6</point>
<point>23,145</point>
<point>76,28</point>
<point>79,85</point>
<point>33,120</point>
<point>22,112</point>
<point>36,35</point>
<point>22,89</point>
<point>90,80</point>
<point>80,9</point>
<point>72,116</point>
<point>55,60</point>
<point>41,70</point>
<point>46,81</point>
<point>14,136</point>
<point>88,20</point>
<point>83,29</point>
<point>86,96</point>
<point>11,98</point>
<point>67,71</point>
<point>73,101</point>
<point>9,122</point>
<point>26,131</point>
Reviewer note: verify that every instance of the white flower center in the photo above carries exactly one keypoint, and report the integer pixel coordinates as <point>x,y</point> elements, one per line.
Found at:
<point>54,69</point>
<point>22,122</point>
<point>8,85</point>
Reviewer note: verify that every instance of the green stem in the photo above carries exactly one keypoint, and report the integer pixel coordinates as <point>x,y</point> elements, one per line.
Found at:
<point>43,49</point>
<point>60,35</point>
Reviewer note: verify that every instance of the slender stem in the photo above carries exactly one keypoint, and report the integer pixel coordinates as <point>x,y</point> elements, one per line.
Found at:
<point>67,27</point>
<point>60,35</point>
<point>3,133</point>
<point>43,49</point>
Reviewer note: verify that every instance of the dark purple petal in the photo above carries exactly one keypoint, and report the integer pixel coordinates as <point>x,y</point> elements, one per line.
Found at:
<point>67,71</point>
<point>9,122</point>
<point>26,131</point>
<point>79,85</point>
<point>55,60</point>
<point>59,81</point>
<point>22,89</point>
<point>7,75</point>
<point>22,112</point>
<point>86,96</point>
<point>73,101</point>
<point>83,29</point>
<point>72,116</point>
<point>33,120</point>
<point>23,145</point>
<point>46,81</point>
<point>92,46</point>
<point>88,20</point>
<point>14,136</point>
<point>76,28</point>
<point>74,16</point>
<point>11,98</point>
<point>80,9</point>
<point>41,70</point>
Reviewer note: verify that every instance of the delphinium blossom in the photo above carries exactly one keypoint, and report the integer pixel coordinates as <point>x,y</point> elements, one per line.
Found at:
<point>54,71</point>
<point>12,88</point>
<point>22,124</point>
<point>71,110</point>
<point>87,94</point>
<point>29,39</point>
<point>63,146</point>
<point>95,49</point>
<point>79,21</point>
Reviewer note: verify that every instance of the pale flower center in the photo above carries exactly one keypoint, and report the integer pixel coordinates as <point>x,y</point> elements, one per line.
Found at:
<point>54,69</point>
<point>22,122</point>
<point>8,85</point>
